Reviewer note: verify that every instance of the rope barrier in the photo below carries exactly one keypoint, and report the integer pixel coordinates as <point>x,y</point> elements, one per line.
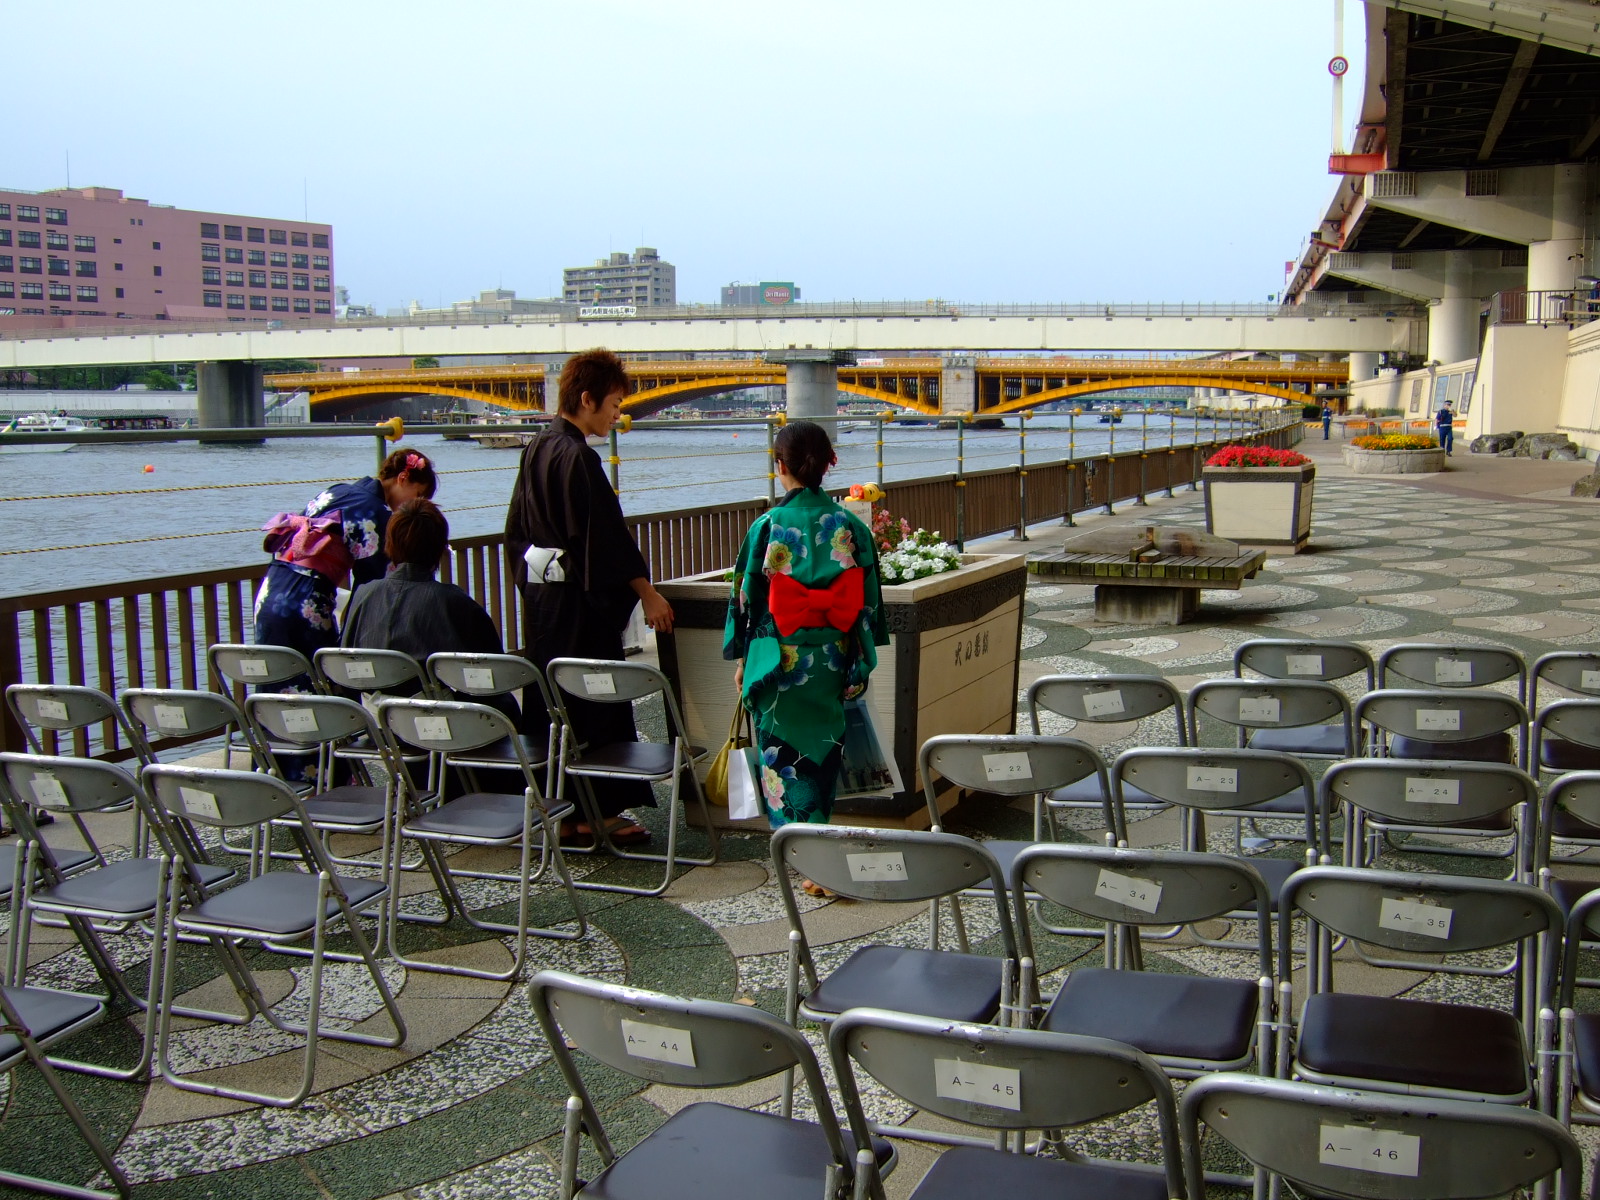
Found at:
<point>210,487</point>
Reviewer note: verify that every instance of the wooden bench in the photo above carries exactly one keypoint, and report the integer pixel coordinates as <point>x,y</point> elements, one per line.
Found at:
<point>1150,575</point>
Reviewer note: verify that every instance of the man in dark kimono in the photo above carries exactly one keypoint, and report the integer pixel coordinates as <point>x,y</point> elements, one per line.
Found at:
<point>591,573</point>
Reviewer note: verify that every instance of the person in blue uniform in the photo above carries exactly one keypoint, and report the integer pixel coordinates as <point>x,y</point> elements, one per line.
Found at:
<point>1445,419</point>
<point>1327,419</point>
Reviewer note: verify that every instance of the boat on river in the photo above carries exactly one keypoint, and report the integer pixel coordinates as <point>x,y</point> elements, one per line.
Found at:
<point>40,422</point>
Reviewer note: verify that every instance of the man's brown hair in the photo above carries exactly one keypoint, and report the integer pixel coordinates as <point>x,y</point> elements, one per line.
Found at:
<point>598,372</point>
<point>418,533</point>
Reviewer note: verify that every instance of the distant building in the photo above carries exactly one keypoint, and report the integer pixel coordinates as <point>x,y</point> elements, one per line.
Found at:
<point>85,256</point>
<point>747,295</point>
<point>642,278</point>
<point>494,304</point>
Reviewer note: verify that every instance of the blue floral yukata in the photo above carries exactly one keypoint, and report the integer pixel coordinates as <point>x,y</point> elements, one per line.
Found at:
<point>796,680</point>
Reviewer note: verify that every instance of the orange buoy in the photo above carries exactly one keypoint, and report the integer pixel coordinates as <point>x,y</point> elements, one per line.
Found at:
<point>149,468</point>
<point>736,435</point>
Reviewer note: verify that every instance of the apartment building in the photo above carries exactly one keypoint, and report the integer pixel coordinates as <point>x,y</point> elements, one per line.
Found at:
<point>641,278</point>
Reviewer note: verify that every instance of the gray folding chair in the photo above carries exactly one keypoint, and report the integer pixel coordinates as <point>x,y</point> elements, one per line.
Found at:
<point>1303,717</point>
<point>34,1020</point>
<point>1416,1047</point>
<point>1578,1074</point>
<point>1388,797</point>
<point>276,908</point>
<point>602,681</point>
<point>116,896</point>
<point>1104,700</point>
<point>1331,1142</point>
<point>1297,658</point>
<point>1566,736</point>
<point>1576,673</point>
<point>238,668</point>
<point>484,678</point>
<point>354,671</point>
<point>1569,816</point>
<point>47,713</point>
<point>1424,665</point>
<point>707,1149</point>
<point>490,819</point>
<point>1006,1082</point>
<point>1465,725</point>
<point>1190,1024</point>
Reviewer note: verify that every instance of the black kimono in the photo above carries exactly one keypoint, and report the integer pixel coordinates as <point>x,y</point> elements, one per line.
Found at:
<point>562,500</point>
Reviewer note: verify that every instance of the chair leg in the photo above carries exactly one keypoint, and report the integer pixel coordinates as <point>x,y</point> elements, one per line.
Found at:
<point>91,1137</point>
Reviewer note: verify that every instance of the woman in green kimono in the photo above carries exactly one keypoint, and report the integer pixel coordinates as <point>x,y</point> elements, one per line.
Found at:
<point>804,622</point>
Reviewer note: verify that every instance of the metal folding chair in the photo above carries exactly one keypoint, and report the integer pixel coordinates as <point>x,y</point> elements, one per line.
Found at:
<point>57,710</point>
<point>1566,736</point>
<point>1576,673</point>
<point>1569,816</point>
<point>484,678</point>
<point>276,908</point>
<point>239,668</point>
<point>707,1149</point>
<point>1333,1142</point>
<point>356,672</point>
<point>1303,717</point>
<point>1424,665</point>
<point>1305,659</point>
<point>603,681</point>
<point>1190,1024</point>
<point>1465,725</point>
<point>1006,1082</point>
<point>1419,1047</point>
<point>490,819</point>
<point>1104,700</point>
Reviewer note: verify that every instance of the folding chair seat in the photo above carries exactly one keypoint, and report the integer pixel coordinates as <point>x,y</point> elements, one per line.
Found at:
<point>1577,673</point>
<point>1005,1082</point>
<point>275,909</point>
<point>1415,1047</point>
<point>603,681</point>
<point>1329,1142</point>
<point>1306,659</point>
<point>707,1148</point>
<point>1103,700</point>
<point>1456,725</point>
<point>1384,797</point>
<point>516,821</point>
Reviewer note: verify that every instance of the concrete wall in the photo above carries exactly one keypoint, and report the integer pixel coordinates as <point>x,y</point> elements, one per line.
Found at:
<point>1579,417</point>
<point>1520,380</point>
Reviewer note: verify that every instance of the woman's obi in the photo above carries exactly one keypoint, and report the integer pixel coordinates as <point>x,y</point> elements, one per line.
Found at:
<point>795,606</point>
<point>310,544</point>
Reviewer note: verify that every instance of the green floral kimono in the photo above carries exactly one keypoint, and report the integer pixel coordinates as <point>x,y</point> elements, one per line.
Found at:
<point>795,685</point>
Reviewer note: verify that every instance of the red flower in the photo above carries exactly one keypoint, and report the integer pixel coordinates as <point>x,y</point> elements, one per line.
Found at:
<point>1256,456</point>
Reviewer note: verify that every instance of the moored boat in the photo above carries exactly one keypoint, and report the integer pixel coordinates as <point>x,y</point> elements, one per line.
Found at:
<point>40,422</point>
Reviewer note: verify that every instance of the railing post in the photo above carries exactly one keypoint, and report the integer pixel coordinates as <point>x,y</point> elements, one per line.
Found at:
<point>1172,447</point>
<point>1072,463</point>
<point>883,419</point>
<point>383,451</point>
<point>11,671</point>
<point>961,482</point>
<point>1022,477</point>
<point>616,460</point>
<point>1144,441</point>
<point>772,474</point>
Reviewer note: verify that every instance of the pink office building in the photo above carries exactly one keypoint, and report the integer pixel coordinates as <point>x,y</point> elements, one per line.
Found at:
<point>87,256</point>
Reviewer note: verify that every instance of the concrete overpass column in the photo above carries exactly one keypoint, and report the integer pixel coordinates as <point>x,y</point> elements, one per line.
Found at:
<point>811,383</point>
<point>1453,319</point>
<point>1554,265</point>
<point>958,384</point>
<point>1363,365</point>
<point>229,395</point>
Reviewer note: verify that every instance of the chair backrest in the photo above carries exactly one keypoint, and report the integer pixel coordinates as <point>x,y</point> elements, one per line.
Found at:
<point>899,865</point>
<point>444,726</point>
<point>1570,720</point>
<point>60,783</point>
<point>1104,699</point>
<point>62,708</point>
<point>604,681</point>
<point>1292,658</point>
<point>256,666</point>
<point>1431,716</point>
<point>304,720</point>
<point>1209,779</point>
<point>1576,792</point>
<point>1446,666</point>
<point>1006,764</point>
<point>180,713</point>
<point>1426,791</point>
<point>482,674</point>
<point>1268,704</point>
<point>1337,1142</point>
<point>225,799</point>
<point>1574,670</point>
<point>999,1078</point>
<point>367,670</point>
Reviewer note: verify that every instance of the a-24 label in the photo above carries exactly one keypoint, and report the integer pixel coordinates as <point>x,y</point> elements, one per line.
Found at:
<point>658,1042</point>
<point>996,1087</point>
<point>1433,791</point>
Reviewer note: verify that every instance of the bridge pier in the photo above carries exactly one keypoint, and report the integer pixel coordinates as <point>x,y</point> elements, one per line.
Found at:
<point>958,384</point>
<point>811,383</point>
<point>229,395</point>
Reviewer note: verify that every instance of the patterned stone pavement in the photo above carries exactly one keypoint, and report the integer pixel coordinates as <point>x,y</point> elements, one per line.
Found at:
<point>471,1106</point>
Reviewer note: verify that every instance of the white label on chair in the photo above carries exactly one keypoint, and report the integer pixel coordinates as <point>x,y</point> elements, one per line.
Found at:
<point>478,677</point>
<point>1382,1151</point>
<point>198,803</point>
<point>52,710</point>
<point>1433,791</point>
<point>433,729</point>
<point>171,716</point>
<point>1259,708</point>
<point>1439,718</point>
<point>48,792</point>
<point>1451,670</point>
<point>872,868</point>
<point>1408,916</point>
<point>253,668</point>
<point>658,1042</point>
<point>1012,765</point>
<point>1104,704</point>
<point>1129,891</point>
<point>994,1087</point>
<point>599,685</point>
<point>1590,681</point>
<point>1213,779</point>
<point>359,669</point>
<point>299,720</point>
<point>1303,664</point>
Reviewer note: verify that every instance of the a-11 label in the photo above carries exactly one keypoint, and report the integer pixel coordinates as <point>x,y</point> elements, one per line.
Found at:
<point>1104,704</point>
<point>1382,1151</point>
<point>658,1042</point>
<point>996,1087</point>
<point>1304,664</point>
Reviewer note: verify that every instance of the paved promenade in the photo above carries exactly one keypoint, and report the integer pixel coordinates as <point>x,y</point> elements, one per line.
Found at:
<point>1491,551</point>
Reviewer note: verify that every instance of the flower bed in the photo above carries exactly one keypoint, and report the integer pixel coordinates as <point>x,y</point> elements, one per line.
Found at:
<point>905,554</point>
<point>1259,496</point>
<point>1256,456</point>
<point>1395,441</point>
<point>1394,454</point>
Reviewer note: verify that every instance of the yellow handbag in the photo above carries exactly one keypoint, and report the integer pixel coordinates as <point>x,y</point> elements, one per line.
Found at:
<point>716,785</point>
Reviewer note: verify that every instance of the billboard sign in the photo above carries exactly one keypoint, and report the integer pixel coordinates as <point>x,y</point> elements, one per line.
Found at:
<point>777,293</point>
<point>591,312</point>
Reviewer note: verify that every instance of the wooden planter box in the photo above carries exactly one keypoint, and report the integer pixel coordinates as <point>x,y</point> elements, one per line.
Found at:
<point>1260,506</point>
<point>950,667</point>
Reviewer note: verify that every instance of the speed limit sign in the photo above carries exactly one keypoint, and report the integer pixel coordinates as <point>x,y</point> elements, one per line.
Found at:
<point>1338,65</point>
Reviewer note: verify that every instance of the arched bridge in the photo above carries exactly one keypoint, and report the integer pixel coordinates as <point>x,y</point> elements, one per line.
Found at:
<point>996,385</point>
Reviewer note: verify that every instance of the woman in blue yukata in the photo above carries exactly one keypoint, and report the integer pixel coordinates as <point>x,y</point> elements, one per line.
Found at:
<point>338,539</point>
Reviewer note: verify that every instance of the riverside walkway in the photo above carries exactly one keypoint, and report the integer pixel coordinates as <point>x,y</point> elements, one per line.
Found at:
<point>1492,551</point>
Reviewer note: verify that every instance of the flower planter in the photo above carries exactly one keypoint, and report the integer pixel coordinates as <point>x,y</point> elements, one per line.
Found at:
<point>1260,506</point>
<point>950,667</point>
<point>1394,462</point>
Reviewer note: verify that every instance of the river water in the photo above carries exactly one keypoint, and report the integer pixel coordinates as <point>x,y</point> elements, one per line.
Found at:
<point>95,515</point>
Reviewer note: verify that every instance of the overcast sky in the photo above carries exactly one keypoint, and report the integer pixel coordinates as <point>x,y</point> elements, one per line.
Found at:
<point>983,150</point>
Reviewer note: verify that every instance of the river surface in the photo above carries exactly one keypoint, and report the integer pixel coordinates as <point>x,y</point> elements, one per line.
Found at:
<point>95,515</point>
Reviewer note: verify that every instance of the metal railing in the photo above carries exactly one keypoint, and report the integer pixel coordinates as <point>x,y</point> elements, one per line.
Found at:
<point>1575,307</point>
<point>154,632</point>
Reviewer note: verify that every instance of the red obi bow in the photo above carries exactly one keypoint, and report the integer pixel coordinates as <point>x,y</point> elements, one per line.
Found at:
<point>795,606</point>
